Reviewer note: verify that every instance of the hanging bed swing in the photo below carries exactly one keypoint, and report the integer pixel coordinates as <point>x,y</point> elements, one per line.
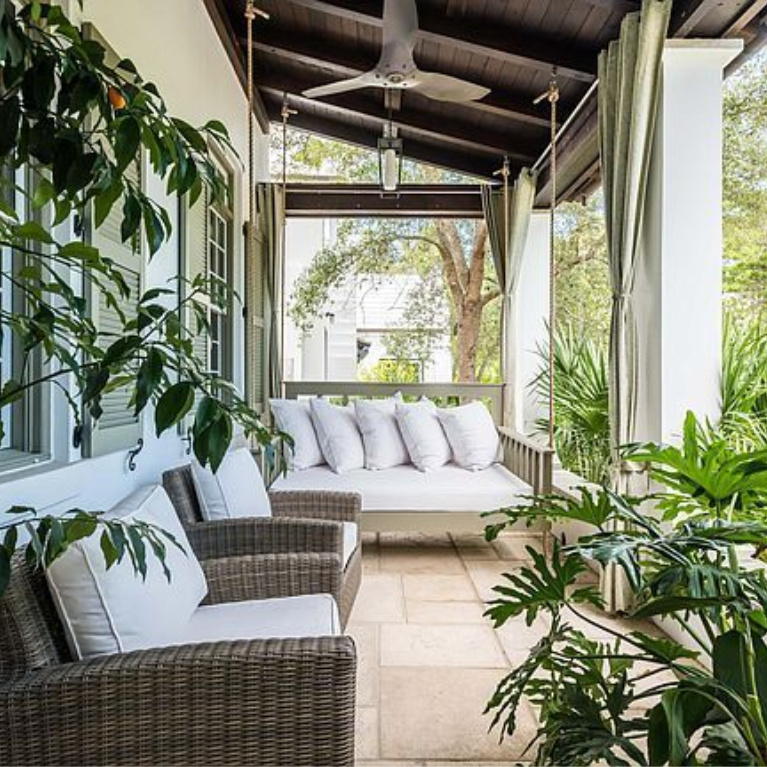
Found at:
<point>400,496</point>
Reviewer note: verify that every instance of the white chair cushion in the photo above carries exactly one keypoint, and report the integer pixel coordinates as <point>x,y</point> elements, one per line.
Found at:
<point>111,611</point>
<point>236,490</point>
<point>310,615</point>
<point>472,435</point>
<point>339,435</point>
<point>381,435</point>
<point>423,434</point>
<point>351,540</point>
<point>294,418</point>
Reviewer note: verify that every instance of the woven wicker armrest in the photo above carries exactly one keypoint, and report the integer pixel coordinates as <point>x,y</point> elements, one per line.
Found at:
<point>316,504</point>
<point>266,576</point>
<point>264,535</point>
<point>266,702</point>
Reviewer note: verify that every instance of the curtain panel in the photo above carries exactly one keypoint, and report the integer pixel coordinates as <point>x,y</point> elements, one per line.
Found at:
<point>269,234</point>
<point>507,244</point>
<point>629,94</point>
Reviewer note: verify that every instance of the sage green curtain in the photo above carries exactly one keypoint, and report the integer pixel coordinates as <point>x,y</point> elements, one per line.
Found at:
<point>629,93</point>
<point>271,218</point>
<point>508,264</point>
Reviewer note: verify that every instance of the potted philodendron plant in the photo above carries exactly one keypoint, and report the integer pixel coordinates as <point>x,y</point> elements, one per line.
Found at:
<point>635,696</point>
<point>80,121</point>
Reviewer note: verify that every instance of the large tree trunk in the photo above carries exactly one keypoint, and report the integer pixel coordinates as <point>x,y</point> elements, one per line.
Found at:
<point>468,325</point>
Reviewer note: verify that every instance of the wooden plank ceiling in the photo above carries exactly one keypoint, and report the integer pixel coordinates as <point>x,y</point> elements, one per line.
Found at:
<point>509,46</point>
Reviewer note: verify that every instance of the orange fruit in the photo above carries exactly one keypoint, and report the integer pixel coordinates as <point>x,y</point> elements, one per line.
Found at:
<point>116,99</point>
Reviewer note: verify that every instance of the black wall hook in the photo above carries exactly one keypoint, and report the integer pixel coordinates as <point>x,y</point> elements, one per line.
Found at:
<point>133,453</point>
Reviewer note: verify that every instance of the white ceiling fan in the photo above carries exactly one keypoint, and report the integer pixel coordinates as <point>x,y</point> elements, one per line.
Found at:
<point>396,67</point>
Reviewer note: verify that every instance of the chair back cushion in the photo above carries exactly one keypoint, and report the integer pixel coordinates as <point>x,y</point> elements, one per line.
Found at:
<point>31,634</point>
<point>235,491</point>
<point>110,610</point>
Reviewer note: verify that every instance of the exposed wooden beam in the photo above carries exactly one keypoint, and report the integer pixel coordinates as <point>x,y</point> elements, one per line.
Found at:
<point>619,6</point>
<point>745,18</point>
<point>439,128</point>
<point>504,44</point>
<point>228,37</point>
<point>298,49</point>
<point>687,14</point>
<point>421,151</point>
<point>365,200</point>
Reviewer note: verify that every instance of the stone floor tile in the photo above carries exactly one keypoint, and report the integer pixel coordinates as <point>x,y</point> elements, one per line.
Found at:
<point>517,637</point>
<point>486,575</point>
<point>365,636</point>
<point>405,559</point>
<point>380,599</point>
<point>469,646</point>
<point>436,714</point>
<point>513,547</point>
<point>438,588</point>
<point>474,546</point>
<point>426,612</point>
<point>367,740</point>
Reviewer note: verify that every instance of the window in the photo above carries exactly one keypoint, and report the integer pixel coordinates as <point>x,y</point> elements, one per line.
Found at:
<point>23,440</point>
<point>220,225</point>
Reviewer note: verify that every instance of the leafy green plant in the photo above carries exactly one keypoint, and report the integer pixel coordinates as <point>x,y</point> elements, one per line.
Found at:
<point>78,122</point>
<point>633,696</point>
<point>581,421</point>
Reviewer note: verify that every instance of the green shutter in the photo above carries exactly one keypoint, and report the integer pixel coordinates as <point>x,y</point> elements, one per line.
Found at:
<point>255,339</point>
<point>118,428</point>
<point>194,264</point>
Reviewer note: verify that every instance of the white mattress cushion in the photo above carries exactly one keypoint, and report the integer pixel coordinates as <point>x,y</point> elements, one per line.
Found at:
<point>381,436</point>
<point>115,610</point>
<point>236,490</point>
<point>404,488</point>
<point>351,540</point>
<point>338,435</point>
<point>294,418</point>
<point>423,434</point>
<point>309,615</point>
<point>472,435</point>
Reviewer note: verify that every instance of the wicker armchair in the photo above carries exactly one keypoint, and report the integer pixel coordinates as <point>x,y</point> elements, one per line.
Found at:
<point>261,702</point>
<point>300,521</point>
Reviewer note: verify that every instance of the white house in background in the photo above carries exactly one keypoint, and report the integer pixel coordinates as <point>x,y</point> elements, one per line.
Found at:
<point>348,336</point>
<point>180,39</point>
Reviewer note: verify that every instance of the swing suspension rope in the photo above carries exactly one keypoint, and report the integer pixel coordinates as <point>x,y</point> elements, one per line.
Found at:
<point>552,96</point>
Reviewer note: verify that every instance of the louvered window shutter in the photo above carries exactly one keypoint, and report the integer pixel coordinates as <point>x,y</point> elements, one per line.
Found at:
<point>195,263</point>
<point>118,428</point>
<point>255,341</point>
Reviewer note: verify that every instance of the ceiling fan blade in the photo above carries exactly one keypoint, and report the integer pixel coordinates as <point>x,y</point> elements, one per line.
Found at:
<point>400,23</point>
<point>447,88</point>
<point>342,86</point>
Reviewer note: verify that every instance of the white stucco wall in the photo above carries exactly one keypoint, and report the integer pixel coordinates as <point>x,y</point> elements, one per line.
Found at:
<point>174,44</point>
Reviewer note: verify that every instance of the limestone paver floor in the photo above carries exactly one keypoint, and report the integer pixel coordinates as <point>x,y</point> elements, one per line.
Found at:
<point>428,659</point>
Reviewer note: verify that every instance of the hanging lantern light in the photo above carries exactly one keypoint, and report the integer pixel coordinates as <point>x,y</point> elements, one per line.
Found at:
<point>390,156</point>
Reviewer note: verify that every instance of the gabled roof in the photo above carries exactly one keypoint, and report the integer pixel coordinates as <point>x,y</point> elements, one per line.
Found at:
<point>510,46</point>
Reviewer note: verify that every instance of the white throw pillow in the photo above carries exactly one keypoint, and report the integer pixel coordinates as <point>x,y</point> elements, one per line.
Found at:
<point>381,436</point>
<point>472,435</point>
<point>112,611</point>
<point>294,418</point>
<point>339,435</point>
<point>423,434</point>
<point>236,490</point>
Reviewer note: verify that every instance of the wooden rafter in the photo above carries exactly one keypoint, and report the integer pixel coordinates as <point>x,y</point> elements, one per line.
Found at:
<point>513,107</point>
<point>503,44</point>
<point>445,130</point>
<point>342,130</point>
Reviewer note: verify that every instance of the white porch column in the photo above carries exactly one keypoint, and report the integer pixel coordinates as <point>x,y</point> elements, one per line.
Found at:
<point>679,286</point>
<point>528,325</point>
